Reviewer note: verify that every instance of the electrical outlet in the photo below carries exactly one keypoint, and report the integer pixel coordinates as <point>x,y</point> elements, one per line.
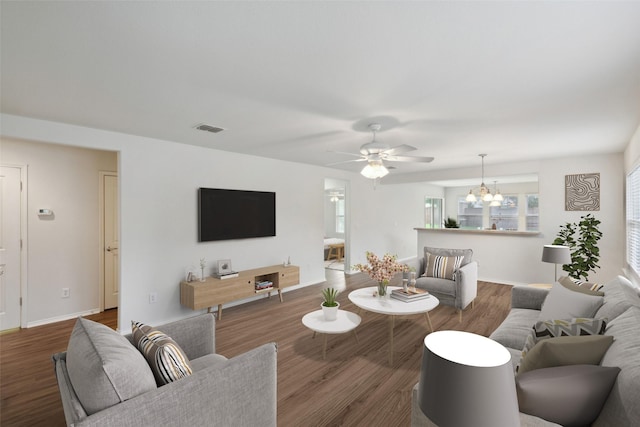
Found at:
<point>65,293</point>
<point>153,298</point>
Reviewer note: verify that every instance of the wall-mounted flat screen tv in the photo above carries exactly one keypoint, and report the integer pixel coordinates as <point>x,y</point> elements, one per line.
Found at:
<point>235,214</point>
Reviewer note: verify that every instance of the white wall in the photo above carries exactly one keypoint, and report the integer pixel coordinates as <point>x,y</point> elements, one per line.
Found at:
<point>158,184</point>
<point>516,260</point>
<point>63,249</point>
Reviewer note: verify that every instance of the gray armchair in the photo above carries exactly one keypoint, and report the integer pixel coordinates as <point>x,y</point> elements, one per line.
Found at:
<point>458,293</point>
<point>240,391</point>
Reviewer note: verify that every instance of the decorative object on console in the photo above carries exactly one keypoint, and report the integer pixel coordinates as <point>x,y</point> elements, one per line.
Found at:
<point>224,266</point>
<point>556,254</point>
<point>582,192</point>
<point>203,264</point>
<point>330,306</point>
<point>381,269</point>
<point>466,380</point>
<point>582,240</point>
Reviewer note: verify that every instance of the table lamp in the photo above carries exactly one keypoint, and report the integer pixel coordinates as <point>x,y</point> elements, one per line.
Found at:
<point>467,380</point>
<point>556,254</point>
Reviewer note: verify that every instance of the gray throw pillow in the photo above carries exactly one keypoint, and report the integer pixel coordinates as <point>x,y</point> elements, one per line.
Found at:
<point>561,303</point>
<point>571,396</point>
<point>566,350</point>
<point>104,368</point>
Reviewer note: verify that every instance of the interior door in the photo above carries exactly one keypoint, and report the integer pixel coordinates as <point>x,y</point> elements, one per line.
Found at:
<point>111,242</point>
<point>10,261</point>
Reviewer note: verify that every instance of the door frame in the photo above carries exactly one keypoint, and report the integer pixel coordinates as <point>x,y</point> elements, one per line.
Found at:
<point>101,244</point>
<point>24,249</point>
<point>346,185</point>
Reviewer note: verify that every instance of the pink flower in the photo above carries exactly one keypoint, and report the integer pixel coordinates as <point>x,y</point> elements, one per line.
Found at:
<point>381,270</point>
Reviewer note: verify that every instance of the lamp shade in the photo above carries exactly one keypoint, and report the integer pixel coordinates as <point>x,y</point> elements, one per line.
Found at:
<point>467,380</point>
<point>556,254</point>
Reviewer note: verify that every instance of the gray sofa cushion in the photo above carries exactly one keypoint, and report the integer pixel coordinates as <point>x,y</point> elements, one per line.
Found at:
<point>567,395</point>
<point>622,408</point>
<point>561,303</point>
<point>618,298</point>
<point>514,329</point>
<point>207,361</point>
<point>104,368</point>
<point>437,286</point>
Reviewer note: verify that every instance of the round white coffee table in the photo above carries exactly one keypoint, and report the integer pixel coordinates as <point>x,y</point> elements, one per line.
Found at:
<point>345,321</point>
<point>365,299</point>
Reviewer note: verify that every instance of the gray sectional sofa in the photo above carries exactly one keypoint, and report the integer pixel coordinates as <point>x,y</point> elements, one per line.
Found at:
<point>621,308</point>
<point>219,392</point>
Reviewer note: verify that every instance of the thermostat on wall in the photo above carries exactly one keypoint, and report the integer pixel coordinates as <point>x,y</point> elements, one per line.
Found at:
<point>45,212</point>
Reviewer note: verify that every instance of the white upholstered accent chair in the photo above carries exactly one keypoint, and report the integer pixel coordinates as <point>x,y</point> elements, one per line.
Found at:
<point>458,290</point>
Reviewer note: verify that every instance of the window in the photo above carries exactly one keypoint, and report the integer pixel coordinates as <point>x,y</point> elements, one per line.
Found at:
<point>532,213</point>
<point>340,216</point>
<point>633,220</point>
<point>433,212</point>
<point>470,214</point>
<point>515,212</point>
<point>505,215</point>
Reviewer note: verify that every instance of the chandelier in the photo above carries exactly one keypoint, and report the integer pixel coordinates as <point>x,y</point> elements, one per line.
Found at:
<point>485,193</point>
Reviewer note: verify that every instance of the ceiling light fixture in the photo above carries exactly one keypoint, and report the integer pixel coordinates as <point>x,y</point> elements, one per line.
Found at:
<point>485,193</point>
<point>375,169</point>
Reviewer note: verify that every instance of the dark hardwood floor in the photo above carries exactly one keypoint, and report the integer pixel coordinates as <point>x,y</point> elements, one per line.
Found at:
<point>354,386</point>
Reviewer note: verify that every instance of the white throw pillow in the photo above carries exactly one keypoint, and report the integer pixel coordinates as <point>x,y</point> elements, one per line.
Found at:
<point>561,303</point>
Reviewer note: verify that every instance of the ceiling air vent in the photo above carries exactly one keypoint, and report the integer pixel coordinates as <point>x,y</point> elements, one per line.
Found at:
<point>209,128</point>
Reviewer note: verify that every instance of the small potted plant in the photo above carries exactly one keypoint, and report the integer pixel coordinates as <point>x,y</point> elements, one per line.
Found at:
<point>330,306</point>
<point>451,223</point>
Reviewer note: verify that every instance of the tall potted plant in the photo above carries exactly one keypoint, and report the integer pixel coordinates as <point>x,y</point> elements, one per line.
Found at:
<point>330,306</point>
<point>582,240</point>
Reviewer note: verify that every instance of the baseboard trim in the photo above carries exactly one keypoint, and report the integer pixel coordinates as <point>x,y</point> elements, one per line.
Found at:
<point>61,318</point>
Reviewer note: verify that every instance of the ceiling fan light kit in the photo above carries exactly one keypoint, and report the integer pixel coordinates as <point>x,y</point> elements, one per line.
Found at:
<point>375,153</point>
<point>374,170</point>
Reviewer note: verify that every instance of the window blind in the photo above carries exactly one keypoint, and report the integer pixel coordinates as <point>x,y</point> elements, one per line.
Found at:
<point>633,220</point>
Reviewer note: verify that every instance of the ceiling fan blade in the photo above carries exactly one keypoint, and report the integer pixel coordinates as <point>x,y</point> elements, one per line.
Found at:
<point>414,159</point>
<point>399,149</point>
<point>346,161</point>
<point>345,153</point>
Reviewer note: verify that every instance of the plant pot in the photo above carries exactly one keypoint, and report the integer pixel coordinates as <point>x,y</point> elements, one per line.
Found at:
<point>330,313</point>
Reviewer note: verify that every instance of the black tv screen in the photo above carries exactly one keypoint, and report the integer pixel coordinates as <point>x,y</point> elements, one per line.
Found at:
<point>235,214</point>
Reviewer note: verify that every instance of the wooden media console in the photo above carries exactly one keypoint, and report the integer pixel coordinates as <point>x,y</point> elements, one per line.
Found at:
<point>214,291</point>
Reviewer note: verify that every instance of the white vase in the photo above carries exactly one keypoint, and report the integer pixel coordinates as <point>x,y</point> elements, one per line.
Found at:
<point>330,313</point>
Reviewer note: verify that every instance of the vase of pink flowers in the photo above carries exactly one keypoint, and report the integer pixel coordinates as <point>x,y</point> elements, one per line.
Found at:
<point>381,269</point>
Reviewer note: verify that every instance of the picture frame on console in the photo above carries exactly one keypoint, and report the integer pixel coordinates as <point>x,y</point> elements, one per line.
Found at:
<point>224,266</point>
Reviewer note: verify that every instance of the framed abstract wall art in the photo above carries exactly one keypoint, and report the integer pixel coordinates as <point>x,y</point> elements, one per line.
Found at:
<point>582,192</point>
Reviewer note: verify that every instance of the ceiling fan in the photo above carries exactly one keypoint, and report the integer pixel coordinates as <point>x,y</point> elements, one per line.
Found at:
<point>375,153</point>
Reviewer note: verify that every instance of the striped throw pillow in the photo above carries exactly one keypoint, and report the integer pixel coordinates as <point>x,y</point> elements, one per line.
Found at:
<point>165,357</point>
<point>443,267</point>
<point>595,287</point>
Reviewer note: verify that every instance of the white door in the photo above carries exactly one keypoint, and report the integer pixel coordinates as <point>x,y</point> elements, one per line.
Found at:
<point>110,239</point>
<point>10,201</point>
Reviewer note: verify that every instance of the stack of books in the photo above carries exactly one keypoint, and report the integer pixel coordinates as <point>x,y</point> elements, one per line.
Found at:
<point>409,295</point>
<point>227,275</point>
<point>265,284</point>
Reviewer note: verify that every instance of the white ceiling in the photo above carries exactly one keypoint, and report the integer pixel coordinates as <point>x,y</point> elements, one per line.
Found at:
<point>296,80</point>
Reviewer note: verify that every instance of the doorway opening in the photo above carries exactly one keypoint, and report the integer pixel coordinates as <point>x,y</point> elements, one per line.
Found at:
<point>336,224</point>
